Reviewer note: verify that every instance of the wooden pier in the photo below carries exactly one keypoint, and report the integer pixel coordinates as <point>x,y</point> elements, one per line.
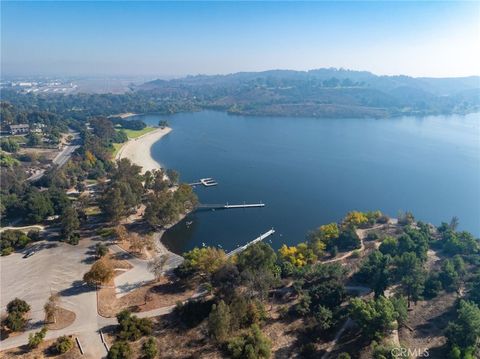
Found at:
<point>231,206</point>
<point>256,240</point>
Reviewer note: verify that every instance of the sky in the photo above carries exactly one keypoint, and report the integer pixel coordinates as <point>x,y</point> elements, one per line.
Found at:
<point>437,39</point>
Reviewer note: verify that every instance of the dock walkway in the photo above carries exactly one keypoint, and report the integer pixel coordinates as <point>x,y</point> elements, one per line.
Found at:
<point>231,206</point>
<point>256,240</point>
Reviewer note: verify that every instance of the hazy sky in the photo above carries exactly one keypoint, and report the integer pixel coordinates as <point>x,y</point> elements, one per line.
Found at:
<point>161,38</point>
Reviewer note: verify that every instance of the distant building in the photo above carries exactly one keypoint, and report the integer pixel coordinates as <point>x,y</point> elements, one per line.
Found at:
<point>37,128</point>
<point>19,129</point>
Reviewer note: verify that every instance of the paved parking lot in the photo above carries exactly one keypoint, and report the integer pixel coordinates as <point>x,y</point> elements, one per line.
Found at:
<point>55,267</point>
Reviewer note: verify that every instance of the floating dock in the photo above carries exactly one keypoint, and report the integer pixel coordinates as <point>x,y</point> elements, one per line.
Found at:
<point>207,182</point>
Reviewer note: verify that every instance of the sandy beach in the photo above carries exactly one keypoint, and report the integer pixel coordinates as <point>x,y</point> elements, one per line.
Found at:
<point>138,151</point>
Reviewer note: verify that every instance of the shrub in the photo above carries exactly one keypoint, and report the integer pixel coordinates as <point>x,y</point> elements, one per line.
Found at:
<point>406,218</point>
<point>74,239</point>
<point>253,345</point>
<point>356,253</point>
<point>34,235</point>
<point>149,348</point>
<point>101,250</point>
<point>106,232</point>
<point>131,327</point>
<point>120,350</point>
<point>308,351</point>
<point>383,219</point>
<point>432,286</point>
<point>355,218</point>
<point>100,272</point>
<point>372,236</point>
<point>7,251</point>
<point>35,339</point>
<point>18,305</point>
<point>63,344</point>
<point>15,322</point>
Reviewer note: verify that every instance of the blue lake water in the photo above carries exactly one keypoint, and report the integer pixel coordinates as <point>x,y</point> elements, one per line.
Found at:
<point>312,171</point>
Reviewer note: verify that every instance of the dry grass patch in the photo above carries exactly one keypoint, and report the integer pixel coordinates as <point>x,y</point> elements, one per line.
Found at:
<point>44,350</point>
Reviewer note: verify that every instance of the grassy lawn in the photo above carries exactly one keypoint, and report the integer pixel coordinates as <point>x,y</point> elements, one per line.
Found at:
<point>131,134</point>
<point>93,211</point>
<point>116,148</point>
<point>138,133</point>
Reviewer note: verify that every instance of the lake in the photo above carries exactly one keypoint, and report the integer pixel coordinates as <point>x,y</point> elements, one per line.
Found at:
<point>310,172</point>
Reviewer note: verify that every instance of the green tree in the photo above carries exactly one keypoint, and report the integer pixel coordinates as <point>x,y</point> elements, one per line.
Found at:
<point>375,271</point>
<point>219,321</point>
<point>323,318</point>
<point>433,286</point>
<point>173,176</point>
<point>389,246</point>
<point>348,239</point>
<point>464,332</point>
<point>149,348</point>
<point>449,277</point>
<point>9,145</point>
<point>38,206</point>
<point>412,276</point>
<point>202,261</point>
<point>112,204</point>
<point>256,256</point>
<point>375,317</point>
<point>33,139</point>
<point>70,223</point>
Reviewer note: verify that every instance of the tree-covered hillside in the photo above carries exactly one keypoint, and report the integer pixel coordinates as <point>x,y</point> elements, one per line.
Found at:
<point>324,93</point>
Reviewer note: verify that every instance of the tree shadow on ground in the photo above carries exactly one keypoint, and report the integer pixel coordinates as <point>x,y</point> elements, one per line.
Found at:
<point>435,325</point>
<point>128,287</point>
<point>168,288</point>
<point>77,287</point>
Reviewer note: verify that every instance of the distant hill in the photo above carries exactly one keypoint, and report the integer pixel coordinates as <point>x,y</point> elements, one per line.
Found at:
<point>323,93</point>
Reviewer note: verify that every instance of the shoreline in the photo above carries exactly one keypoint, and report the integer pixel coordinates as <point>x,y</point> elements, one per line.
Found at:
<point>138,150</point>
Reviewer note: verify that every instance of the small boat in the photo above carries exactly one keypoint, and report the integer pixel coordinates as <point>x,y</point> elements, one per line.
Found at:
<point>189,223</point>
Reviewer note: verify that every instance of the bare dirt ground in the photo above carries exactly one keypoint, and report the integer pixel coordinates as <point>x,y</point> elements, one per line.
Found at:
<point>160,294</point>
<point>175,341</point>
<point>428,319</point>
<point>47,153</point>
<point>43,351</point>
<point>283,333</point>
<point>64,318</point>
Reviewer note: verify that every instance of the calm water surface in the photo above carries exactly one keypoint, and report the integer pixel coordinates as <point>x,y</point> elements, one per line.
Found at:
<point>312,171</point>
